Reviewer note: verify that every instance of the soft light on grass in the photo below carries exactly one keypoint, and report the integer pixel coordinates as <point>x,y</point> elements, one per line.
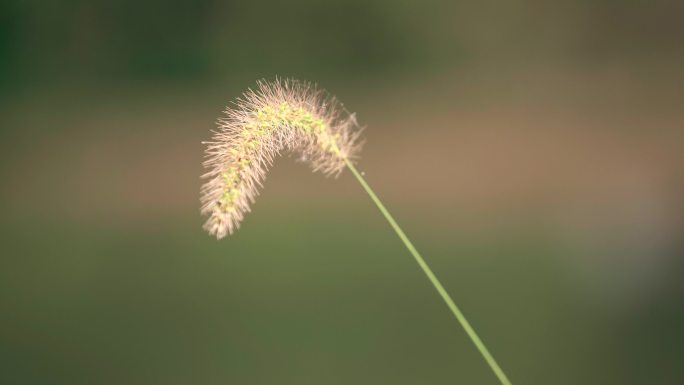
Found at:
<point>294,116</point>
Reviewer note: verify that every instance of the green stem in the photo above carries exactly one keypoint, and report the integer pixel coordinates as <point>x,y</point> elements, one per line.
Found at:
<point>435,282</point>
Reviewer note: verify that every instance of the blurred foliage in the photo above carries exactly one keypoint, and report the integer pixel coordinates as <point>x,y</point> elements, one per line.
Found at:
<point>162,304</point>
<point>199,39</point>
<point>47,41</point>
<point>324,302</point>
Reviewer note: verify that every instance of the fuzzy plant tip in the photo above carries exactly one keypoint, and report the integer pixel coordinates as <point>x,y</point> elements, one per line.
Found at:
<point>282,115</point>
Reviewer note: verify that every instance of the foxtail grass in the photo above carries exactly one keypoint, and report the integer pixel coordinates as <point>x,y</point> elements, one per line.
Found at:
<point>288,115</point>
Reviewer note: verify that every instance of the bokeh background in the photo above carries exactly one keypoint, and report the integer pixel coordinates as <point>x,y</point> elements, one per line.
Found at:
<point>531,149</point>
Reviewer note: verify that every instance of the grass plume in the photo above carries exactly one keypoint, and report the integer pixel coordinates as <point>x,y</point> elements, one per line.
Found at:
<point>282,115</point>
<point>294,116</point>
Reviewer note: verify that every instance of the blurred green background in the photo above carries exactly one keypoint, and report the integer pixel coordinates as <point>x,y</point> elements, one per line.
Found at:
<point>531,149</point>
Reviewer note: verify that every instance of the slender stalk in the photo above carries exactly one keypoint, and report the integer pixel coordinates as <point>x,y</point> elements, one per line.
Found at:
<point>433,279</point>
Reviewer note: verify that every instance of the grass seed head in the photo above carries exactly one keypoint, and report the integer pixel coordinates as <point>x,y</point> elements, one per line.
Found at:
<point>283,115</point>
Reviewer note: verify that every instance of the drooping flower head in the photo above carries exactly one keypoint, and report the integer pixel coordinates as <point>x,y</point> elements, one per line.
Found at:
<point>284,115</point>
